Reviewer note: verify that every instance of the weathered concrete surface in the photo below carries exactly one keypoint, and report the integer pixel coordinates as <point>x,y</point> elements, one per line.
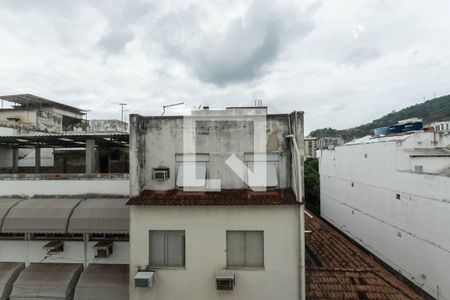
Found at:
<point>107,126</point>
<point>219,139</point>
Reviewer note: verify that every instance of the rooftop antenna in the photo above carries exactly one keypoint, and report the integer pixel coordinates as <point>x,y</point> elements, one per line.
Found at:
<point>170,105</point>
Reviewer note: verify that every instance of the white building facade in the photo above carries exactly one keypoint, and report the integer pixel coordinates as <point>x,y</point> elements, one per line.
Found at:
<point>441,126</point>
<point>392,196</point>
<point>191,240</point>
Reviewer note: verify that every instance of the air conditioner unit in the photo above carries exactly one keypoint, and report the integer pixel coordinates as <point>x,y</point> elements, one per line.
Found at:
<point>53,247</point>
<point>160,174</point>
<point>144,279</point>
<point>225,280</point>
<point>103,249</point>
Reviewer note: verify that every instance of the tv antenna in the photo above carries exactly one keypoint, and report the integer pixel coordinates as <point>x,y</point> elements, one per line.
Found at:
<point>170,105</point>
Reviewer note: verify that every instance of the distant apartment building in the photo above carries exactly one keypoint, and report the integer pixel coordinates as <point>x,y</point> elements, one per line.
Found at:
<point>440,126</point>
<point>329,142</point>
<point>311,145</point>
<point>26,114</point>
<point>28,124</point>
<point>392,196</point>
<point>191,240</point>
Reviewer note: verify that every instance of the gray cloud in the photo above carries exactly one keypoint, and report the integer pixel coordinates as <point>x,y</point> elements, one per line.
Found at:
<point>241,52</point>
<point>228,52</point>
<point>119,32</point>
<point>361,55</point>
<point>115,40</point>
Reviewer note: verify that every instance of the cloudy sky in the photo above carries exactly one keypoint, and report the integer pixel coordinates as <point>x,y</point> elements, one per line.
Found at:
<point>342,62</point>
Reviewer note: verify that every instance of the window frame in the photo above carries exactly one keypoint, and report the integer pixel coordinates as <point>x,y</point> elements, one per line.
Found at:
<point>271,158</point>
<point>245,267</point>
<point>166,265</point>
<point>182,159</point>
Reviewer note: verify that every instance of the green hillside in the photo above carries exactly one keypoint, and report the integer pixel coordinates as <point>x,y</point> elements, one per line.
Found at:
<point>430,111</point>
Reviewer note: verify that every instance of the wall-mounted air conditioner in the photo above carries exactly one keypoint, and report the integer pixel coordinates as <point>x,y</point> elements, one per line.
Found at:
<point>103,249</point>
<point>225,280</point>
<point>144,279</point>
<point>160,174</point>
<point>53,247</point>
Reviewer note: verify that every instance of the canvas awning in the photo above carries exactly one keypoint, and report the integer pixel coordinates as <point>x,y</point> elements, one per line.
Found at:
<point>39,216</point>
<point>5,206</point>
<point>103,282</point>
<point>8,274</point>
<point>47,281</point>
<point>101,215</point>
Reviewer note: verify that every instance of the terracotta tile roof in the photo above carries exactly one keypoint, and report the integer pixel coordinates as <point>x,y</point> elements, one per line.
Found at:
<point>338,269</point>
<point>224,197</point>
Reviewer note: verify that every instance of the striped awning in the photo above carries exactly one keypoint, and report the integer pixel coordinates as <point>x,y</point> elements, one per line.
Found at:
<point>101,215</point>
<point>39,216</point>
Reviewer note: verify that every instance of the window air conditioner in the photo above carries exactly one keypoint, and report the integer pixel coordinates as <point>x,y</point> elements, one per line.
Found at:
<point>160,174</point>
<point>225,280</point>
<point>53,247</point>
<point>144,279</point>
<point>103,249</point>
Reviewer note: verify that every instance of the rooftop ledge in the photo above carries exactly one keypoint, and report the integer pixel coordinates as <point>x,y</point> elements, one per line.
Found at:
<point>66,176</point>
<point>223,197</point>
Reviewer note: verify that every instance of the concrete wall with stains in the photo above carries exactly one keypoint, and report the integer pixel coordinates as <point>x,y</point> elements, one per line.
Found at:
<point>107,126</point>
<point>155,141</point>
<point>373,193</point>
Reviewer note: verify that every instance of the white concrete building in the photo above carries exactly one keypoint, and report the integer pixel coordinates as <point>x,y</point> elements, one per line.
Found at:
<point>233,243</point>
<point>392,196</point>
<point>441,126</point>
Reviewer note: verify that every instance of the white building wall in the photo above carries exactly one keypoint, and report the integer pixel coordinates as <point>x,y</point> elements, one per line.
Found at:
<point>7,131</point>
<point>24,116</point>
<point>67,187</point>
<point>360,186</point>
<point>205,235</point>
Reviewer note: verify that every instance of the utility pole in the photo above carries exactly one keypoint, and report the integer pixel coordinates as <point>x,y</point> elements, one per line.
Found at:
<point>121,118</point>
<point>87,122</point>
<point>86,111</point>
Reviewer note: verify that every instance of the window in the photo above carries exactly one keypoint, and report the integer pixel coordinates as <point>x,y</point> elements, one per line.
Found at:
<point>166,248</point>
<point>257,162</point>
<point>12,236</point>
<point>191,170</point>
<point>56,236</point>
<point>120,237</point>
<point>245,249</point>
